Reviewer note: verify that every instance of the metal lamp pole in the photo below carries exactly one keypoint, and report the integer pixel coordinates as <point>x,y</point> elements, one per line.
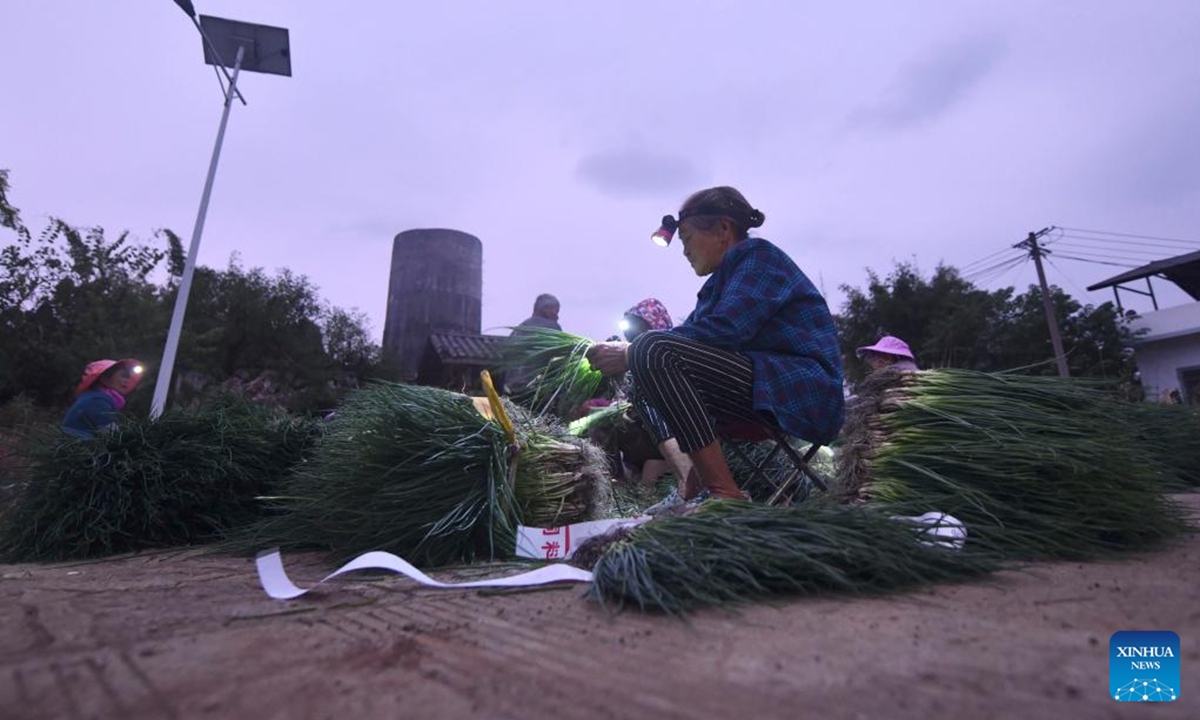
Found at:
<point>257,48</point>
<point>163,385</point>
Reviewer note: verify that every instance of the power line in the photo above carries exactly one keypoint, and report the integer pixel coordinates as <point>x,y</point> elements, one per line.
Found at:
<point>1135,250</point>
<point>995,269</point>
<point>1129,235</point>
<point>987,281</point>
<point>1014,270</point>
<point>1107,256</point>
<point>1129,243</point>
<point>1000,266</point>
<point>1097,262</point>
<point>1015,273</point>
<point>1109,252</point>
<point>993,266</point>
<point>970,267</point>
<point>1068,277</point>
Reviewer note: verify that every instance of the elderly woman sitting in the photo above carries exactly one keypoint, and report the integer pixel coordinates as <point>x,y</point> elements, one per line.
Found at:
<point>759,347</point>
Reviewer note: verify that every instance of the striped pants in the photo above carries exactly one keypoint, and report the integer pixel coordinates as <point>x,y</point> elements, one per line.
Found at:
<point>680,386</point>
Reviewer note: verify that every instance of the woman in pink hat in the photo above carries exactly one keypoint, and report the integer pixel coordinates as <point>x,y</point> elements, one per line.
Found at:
<point>101,395</point>
<point>890,353</point>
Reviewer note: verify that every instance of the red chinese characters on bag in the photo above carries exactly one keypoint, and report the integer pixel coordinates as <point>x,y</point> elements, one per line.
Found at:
<point>560,546</point>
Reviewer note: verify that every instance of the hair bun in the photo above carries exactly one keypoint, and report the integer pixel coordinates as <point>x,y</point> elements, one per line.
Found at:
<point>756,218</point>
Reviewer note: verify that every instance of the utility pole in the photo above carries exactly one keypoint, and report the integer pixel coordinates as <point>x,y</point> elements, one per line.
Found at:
<point>1036,251</point>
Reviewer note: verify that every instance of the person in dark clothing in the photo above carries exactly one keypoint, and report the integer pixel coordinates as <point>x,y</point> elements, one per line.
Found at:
<point>100,396</point>
<point>760,346</point>
<point>545,315</point>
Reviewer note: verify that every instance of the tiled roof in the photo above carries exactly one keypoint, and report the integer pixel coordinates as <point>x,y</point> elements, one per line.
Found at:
<point>465,348</point>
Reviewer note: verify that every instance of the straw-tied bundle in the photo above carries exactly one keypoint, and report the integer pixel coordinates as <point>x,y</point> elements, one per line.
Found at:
<point>420,472</point>
<point>559,478</point>
<point>185,477</point>
<point>560,377</point>
<point>1036,467</point>
<point>732,551</point>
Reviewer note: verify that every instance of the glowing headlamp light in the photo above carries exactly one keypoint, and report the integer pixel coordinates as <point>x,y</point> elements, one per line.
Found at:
<point>664,234</point>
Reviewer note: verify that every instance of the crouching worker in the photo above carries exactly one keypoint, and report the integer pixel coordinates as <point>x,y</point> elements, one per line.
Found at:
<point>890,353</point>
<point>101,395</point>
<point>759,347</point>
<point>634,454</point>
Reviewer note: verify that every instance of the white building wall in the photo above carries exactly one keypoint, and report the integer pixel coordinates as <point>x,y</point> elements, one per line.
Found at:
<point>1161,362</point>
<point>1167,323</point>
<point>1168,351</point>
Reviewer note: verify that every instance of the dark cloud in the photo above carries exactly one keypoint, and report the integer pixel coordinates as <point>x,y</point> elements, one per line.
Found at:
<point>931,86</point>
<point>1158,163</point>
<point>636,172</point>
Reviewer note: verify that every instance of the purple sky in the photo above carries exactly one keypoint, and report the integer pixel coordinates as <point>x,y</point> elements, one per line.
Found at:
<point>559,133</point>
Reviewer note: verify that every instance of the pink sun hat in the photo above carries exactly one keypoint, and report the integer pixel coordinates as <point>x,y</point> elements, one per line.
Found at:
<point>888,345</point>
<point>95,369</point>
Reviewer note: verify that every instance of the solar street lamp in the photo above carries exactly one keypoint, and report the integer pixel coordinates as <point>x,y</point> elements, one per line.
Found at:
<point>242,46</point>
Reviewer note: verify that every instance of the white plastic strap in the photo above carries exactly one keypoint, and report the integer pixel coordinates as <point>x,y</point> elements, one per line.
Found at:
<point>277,584</point>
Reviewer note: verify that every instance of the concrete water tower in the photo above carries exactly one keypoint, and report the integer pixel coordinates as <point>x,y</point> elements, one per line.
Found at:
<point>436,285</point>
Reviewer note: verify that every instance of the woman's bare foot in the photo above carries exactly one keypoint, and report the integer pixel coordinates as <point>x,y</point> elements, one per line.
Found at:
<point>714,472</point>
<point>683,467</point>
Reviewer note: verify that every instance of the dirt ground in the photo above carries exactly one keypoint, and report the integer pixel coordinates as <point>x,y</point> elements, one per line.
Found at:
<point>184,635</point>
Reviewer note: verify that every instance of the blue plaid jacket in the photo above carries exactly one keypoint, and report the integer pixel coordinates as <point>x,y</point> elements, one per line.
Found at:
<point>758,303</point>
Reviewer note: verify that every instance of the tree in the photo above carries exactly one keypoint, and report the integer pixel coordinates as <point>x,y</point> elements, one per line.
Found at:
<point>347,338</point>
<point>68,296</point>
<point>71,295</point>
<point>948,322</point>
<point>1094,336</point>
<point>10,217</point>
<point>943,319</point>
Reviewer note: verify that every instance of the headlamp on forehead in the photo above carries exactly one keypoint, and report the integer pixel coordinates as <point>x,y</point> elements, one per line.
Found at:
<point>666,232</point>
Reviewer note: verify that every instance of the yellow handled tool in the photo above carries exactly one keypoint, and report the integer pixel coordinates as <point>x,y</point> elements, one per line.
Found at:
<point>499,414</point>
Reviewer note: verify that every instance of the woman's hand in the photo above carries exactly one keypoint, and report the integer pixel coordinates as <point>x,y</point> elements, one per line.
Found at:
<point>610,358</point>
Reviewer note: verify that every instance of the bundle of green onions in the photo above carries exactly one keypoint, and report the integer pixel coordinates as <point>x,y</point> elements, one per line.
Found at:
<point>183,478</point>
<point>733,551</point>
<point>1170,434</point>
<point>605,419</point>
<point>559,478</point>
<point>560,377</point>
<point>13,469</point>
<point>1036,467</point>
<point>418,471</point>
